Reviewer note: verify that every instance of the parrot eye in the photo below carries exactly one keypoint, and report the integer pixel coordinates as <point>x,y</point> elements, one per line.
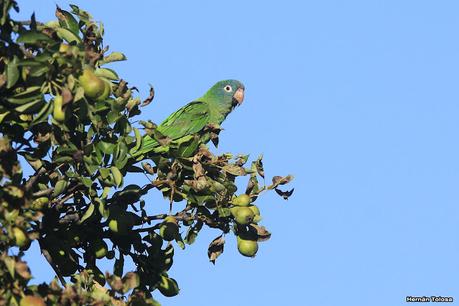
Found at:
<point>228,88</point>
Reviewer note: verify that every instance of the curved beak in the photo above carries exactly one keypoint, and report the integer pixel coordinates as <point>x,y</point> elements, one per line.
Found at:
<point>239,95</point>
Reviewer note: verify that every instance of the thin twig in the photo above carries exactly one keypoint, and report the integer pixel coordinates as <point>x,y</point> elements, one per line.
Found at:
<point>49,259</point>
<point>43,193</point>
<point>33,179</point>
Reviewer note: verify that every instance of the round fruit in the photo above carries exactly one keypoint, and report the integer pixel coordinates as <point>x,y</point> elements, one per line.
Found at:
<point>30,300</point>
<point>241,200</point>
<point>93,85</point>
<point>107,91</point>
<point>20,237</point>
<point>64,48</point>
<point>168,286</point>
<point>58,112</point>
<point>242,215</point>
<point>247,248</point>
<point>120,221</point>
<point>256,211</point>
<point>100,248</point>
<point>110,254</point>
<point>40,203</point>
<point>11,216</point>
<point>169,229</point>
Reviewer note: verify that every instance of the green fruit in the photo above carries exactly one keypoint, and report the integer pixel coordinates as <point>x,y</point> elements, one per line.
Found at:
<point>168,286</point>
<point>93,85</point>
<point>120,221</point>
<point>113,225</point>
<point>107,91</point>
<point>58,112</point>
<point>110,254</point>
<point>40,203</point>
<point>11,216</point>
<point>247,248</point>
<point>100,248</point>
<point>20,237</point>
<point>169,229</point>
<point>242,215</point>
<point>256,211</point>
<point>30,300</point>
<point>64,48</point>
<point>241,200</point>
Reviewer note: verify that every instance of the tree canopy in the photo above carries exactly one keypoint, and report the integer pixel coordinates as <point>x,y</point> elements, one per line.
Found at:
<point>68,129</point>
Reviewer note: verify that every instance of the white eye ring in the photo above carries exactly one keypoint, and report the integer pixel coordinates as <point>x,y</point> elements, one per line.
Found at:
<point>228,88</point>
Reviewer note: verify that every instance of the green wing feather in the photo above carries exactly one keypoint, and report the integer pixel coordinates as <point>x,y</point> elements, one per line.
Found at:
<point>188,120</point>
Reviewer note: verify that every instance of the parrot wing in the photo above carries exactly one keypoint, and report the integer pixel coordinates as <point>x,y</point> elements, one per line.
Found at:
<point>188,120</point>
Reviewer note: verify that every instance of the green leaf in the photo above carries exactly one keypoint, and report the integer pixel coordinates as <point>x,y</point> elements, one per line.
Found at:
<point>3,115</point>
<point>113,116</point>
<point>68,36</point>
<point>29,91</point>
<point>84,16</point>
<point>117,175</point>
<point>120,155</point>
<point>42,115</point>
<point>60,187</point>
<point>23,99</point>
<point>107,73</point>
<point>67,21</point>
<point>223,212</point>
<point>32,37</point>
<point>106,147</point>
<point>113,57</point>
<point>29,63</point>
<point>88,213</point>
<point>101,207</point>
<point>36,71</point>
<point>138,141</point>
<point>9,263</point>
<point>12,73</point>
<point>193,232</point>
<point>63,159</point>
<point>104,172</point>
<point>31,107</point>
<point>86,181</point>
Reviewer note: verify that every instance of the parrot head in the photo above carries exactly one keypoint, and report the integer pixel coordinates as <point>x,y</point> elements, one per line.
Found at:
<point>227,92</point>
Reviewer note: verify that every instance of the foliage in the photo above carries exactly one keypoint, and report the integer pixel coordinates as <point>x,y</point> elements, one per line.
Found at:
<point>70,118</point>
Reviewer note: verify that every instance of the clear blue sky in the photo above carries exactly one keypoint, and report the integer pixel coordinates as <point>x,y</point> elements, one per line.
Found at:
<point>358,99</point>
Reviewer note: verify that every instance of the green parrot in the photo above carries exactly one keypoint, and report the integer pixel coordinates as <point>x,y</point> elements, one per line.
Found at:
<point>190,121</point>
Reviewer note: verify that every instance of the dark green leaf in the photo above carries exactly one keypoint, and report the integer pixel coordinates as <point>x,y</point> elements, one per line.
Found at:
<point>67,21</point>
<point>32,37</point>
<point>12,73</point>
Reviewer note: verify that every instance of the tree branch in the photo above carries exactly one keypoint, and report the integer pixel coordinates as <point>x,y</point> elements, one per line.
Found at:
<point>33,179</point>
<point>43,193</point>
